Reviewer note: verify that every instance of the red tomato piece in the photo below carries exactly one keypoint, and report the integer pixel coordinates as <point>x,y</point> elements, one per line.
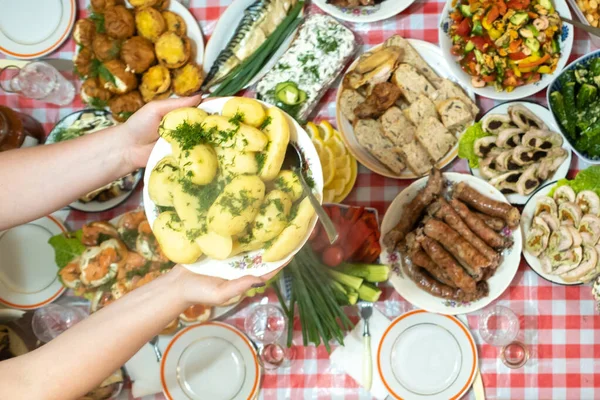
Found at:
<point>456,50</point>
<point>481,43</point>
<point>315,232</point>
<point>488,78</point>
<point>333,256</point>
<point>519,55</point>
<point>464,28</point>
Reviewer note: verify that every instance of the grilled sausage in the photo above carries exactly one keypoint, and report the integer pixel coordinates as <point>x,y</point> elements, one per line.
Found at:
<point>482,203</point>
<point>495,223</point>
<point>487,234</point>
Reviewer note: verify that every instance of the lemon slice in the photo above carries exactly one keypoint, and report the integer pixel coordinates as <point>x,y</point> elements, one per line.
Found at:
<point>344,174</point>
<point>319,146</point>
<point>338,186</point>
<point>313,131</point>
<point>328,164</point>
<point>326,130</point>
<point>350,183</point>
<point>337,146</point>
<point>342,163</point>
<point>328,195</point>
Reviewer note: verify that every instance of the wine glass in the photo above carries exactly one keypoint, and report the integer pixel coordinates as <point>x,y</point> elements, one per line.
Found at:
<point>50,321</point>
<point>499,326</point>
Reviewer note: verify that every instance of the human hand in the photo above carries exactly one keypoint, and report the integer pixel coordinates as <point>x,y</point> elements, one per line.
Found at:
<point>140,132</point>
<point>201,289</point>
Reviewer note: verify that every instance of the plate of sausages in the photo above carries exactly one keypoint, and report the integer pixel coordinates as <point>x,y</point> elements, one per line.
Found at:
<point>453,241</point>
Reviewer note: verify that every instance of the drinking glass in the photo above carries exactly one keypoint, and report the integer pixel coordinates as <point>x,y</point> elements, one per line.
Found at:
<point>41,81</point>
<point>266,325</point>
<point>50,321</point>
<point>499,326</point>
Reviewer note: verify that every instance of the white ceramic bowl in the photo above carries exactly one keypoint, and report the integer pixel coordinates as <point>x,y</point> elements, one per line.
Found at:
<point>384,10</point>
<point>249,263</point>
<point>566,43</point>
<point>418,297</point>
<point>556,85</point>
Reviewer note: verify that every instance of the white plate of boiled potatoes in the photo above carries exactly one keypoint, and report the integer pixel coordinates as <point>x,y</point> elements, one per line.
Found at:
<point>215,192</point>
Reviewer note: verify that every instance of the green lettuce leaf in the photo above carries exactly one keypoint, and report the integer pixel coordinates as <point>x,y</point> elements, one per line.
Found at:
<point>66,248</point>
<point>467,143</point>
<point>588,179</point>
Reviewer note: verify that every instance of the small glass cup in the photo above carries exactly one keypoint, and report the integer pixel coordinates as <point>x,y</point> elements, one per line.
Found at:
<point>40,81</point>
<point>265,324</point>
<point>50,321</point>
<point>498,326</point>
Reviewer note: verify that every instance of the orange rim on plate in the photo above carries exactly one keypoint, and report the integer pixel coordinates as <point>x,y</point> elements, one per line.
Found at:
<point>54,45</point>
<point>163,380</point>
<point>463,390</point>
<point>378,167</point>
<point>54,296</point>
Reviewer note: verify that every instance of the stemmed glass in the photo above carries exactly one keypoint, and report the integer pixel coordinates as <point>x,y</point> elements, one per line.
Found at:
<point>499,326</point>
<point>265,326</point>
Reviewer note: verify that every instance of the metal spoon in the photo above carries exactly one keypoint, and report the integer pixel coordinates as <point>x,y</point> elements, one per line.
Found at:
<point>587,28</point>
<point>154,343</point>
<point>294,161</point>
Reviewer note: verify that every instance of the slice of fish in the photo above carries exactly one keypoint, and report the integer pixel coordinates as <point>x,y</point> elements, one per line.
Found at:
<point>259,21</point>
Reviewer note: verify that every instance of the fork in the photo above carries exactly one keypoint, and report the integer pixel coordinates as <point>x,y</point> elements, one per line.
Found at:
<point>154,343</point>
<point>588,28</point>
<point>366,310</point>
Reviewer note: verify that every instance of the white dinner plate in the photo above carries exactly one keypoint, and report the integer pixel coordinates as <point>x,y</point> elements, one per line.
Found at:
<point>210,361</point>
<point>28,272</point>
<point>424,356</point>
<point>418,297</point>
<point>224,31</point>
<point>526,219</point>
<point>545,115</point>
<point>433,57</point>
<point>249,263</point>
<point>381,11</point>
<point>565,40</point>
<point>193,29</point>
<point>33,28</point>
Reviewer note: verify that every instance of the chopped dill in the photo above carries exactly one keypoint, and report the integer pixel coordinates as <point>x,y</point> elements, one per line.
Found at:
<point>206,194</point>
<point>265,123</point>
<point>238,202</point>
<point>143,270</point>
<point>237,118</point>
<point>124,115</point>
<point>327,44</point>
<point>278,204</point>
<point>260,160</point>
<point>193,234</point>
<point>95,102</point>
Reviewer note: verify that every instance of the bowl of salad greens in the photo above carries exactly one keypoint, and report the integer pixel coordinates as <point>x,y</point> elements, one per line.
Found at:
<point>574,99</point>
<point>505,49</point>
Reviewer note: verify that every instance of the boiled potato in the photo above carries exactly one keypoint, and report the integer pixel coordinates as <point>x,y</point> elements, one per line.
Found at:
<point>289,182</point>
<point>173,119</point>
<point>171,50</point>
<point>292,235</point>
<point>187,206</point>
<point>214,245</point>
<point>243,137</point>
<point>278,132</point>
<point>251,110</point>
<point>272,217</point>
<point>199,164</point>
<point>163,181</point>
<point>150,23</point>
<point>171,236</point>
<point>236,206</point>
<point>244,244</point>
<point>143,3</point>
<point>236,162</point>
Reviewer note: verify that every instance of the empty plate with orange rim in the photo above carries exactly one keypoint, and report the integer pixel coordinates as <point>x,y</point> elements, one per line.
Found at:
<point>425,356</point>
<point>210,361</point>
<point>33,28</point>
<point>28,276</point>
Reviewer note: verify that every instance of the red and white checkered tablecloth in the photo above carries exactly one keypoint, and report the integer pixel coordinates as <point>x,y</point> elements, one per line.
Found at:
<point>559,324</point>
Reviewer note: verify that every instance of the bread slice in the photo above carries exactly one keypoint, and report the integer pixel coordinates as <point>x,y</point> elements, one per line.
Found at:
<point>396,127</point>
<point>412,57</point>
<point>435,138</point>
<point>412,83</point>
<point>419,110</point>
<point>455,114</point>
<point>416,158</point>
<point>449,90</point>
<point>369,133</point>
<point>349,100</point>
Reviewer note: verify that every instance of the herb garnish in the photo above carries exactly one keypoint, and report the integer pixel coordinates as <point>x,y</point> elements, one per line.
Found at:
<point>265,123</point>
<point>237,202</point>
<point>327,44</point>
<point>98,21</point>
<point>143,270</point>
<point>206,194</point>
<point>260,160</point>
<point>237,118</point>
<point>95,102</point>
